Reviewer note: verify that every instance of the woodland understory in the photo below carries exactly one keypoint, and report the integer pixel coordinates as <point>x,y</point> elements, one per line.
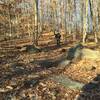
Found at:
<point>33,66</point>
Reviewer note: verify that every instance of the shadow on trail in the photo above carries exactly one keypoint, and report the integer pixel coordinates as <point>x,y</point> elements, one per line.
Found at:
<point>18,70</point>
<point>91,91</point>
<point>26,84</point>
<point>40,65</point>
<point>46,63</point>
<point>65,59</point>
<point>53,47</point>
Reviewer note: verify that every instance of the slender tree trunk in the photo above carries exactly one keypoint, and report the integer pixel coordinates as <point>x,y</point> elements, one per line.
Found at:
<point>85,21</point>
<point>36,22</point>
<point>65,18</point>
<point>94,13</point>
<point>10,24</point>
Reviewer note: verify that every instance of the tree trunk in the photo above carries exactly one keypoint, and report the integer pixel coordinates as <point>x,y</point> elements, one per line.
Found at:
<point>85,21</point>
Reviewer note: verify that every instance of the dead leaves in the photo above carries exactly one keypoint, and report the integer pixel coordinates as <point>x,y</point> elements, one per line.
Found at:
<point>84,70</point>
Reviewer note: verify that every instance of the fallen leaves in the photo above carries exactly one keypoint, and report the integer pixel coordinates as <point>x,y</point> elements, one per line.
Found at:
<point>83,70</point>
<point>21,78</point>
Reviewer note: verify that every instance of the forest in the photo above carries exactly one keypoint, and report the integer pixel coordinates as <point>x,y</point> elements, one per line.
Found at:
<point>49,49</point>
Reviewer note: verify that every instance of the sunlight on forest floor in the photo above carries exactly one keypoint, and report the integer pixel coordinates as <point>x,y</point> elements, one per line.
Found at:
<point>25,75</point>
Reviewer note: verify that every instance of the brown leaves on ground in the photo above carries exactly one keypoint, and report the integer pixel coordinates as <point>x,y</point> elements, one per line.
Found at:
<point>84,70</point>
<point>22,79</point>
<point>49,90</point>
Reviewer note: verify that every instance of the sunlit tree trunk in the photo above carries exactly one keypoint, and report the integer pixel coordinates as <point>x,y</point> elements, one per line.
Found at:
<point>10,24</point>
<point>41,15</point>
<point>36,22</point>
<point>94,12</point>
<point>73,10</point>
<point>65,17</point>
<point>85,21</point>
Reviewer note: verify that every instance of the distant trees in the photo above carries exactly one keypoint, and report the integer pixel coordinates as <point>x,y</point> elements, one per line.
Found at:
<point>94,18</point>
<point>74,17</point>
<point>19,16</point>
